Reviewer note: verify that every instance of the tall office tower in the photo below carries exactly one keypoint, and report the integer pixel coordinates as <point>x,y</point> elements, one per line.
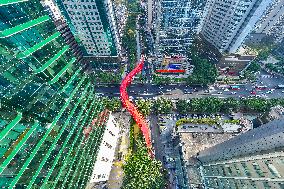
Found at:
<point>272,23</point>
<point>254,159</point>
<point>227,23</point>
<point>51,123</point>
<point>94,26</point>
<point>177,24</point>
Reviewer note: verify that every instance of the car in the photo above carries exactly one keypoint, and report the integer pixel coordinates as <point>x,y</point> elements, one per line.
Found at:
<point>220,92</point>
<point>253,92</point>
<point>268,92</point>
<point>233,93</point>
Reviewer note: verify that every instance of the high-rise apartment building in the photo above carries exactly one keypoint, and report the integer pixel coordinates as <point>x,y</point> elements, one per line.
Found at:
<point>228,22</point>
<point>177,23</point>
<point>94,26</point>
<point>272,22</point>
<point>51,122</point>
<point>62,27</point>
<point>150,9</point>
<point>254,159</point>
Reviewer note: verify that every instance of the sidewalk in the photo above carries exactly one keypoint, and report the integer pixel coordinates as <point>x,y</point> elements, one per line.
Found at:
<point>116,174</point>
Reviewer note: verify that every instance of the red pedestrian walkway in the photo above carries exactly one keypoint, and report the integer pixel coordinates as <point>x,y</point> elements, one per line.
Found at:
<point>137,116</point>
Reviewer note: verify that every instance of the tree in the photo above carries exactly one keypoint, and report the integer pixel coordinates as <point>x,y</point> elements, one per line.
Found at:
<point>161,80</point>
<point>231,104</point>
<point>162,106</point>
<point>182,107</point>
<point>254,67</point>
<point>141,171</point>
<point>204,73</point>
<point>113,104</point>
<point>144,106</point>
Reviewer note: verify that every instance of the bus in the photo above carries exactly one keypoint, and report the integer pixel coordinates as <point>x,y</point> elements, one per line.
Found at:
<point>279,87</point>
<point>235,87</point>
<point>261,87</point>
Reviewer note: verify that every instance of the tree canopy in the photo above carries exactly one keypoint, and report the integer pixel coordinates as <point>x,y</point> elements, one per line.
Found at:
<point>142,172</point>
<point>216,105</point>
<point>204,72</point>
<point>163,106</point>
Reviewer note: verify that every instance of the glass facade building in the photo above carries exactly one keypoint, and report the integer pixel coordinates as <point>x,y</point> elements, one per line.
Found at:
<point>177,24</point>
<point>46,104</point>
<point>254,159</point>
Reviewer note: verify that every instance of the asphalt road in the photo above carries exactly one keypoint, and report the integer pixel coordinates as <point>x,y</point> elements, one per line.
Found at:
<point>182,91</point>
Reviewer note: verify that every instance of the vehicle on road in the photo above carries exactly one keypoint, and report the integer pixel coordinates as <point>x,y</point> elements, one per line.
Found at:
<point>261,87</point>
<point>235,87</point>
<point>279,87</point>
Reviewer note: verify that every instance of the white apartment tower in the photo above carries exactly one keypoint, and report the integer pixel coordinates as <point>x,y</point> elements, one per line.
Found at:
<point>228,22</point>
<point>94,26</point>
<point>272,22</point>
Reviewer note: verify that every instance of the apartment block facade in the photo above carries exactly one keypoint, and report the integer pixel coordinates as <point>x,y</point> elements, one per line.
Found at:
<point>94,26</point>
<point>51,122</point>
<point>254,159</point>
<point>272,22</point>
<point>228,22</point>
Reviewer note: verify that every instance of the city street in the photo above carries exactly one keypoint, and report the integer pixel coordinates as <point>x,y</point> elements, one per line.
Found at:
<point>183,91</point>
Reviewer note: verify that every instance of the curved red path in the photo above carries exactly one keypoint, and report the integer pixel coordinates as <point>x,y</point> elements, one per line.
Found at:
<point>137,116</point>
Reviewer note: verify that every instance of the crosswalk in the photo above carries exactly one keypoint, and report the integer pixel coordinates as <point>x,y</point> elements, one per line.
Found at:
<point>266,76</point>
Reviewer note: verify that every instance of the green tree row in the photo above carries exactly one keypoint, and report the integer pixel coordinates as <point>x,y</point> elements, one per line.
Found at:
<point>216,105</point>
<point>112,104</point>
<point>107,77</point>
<point>129,35</point>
